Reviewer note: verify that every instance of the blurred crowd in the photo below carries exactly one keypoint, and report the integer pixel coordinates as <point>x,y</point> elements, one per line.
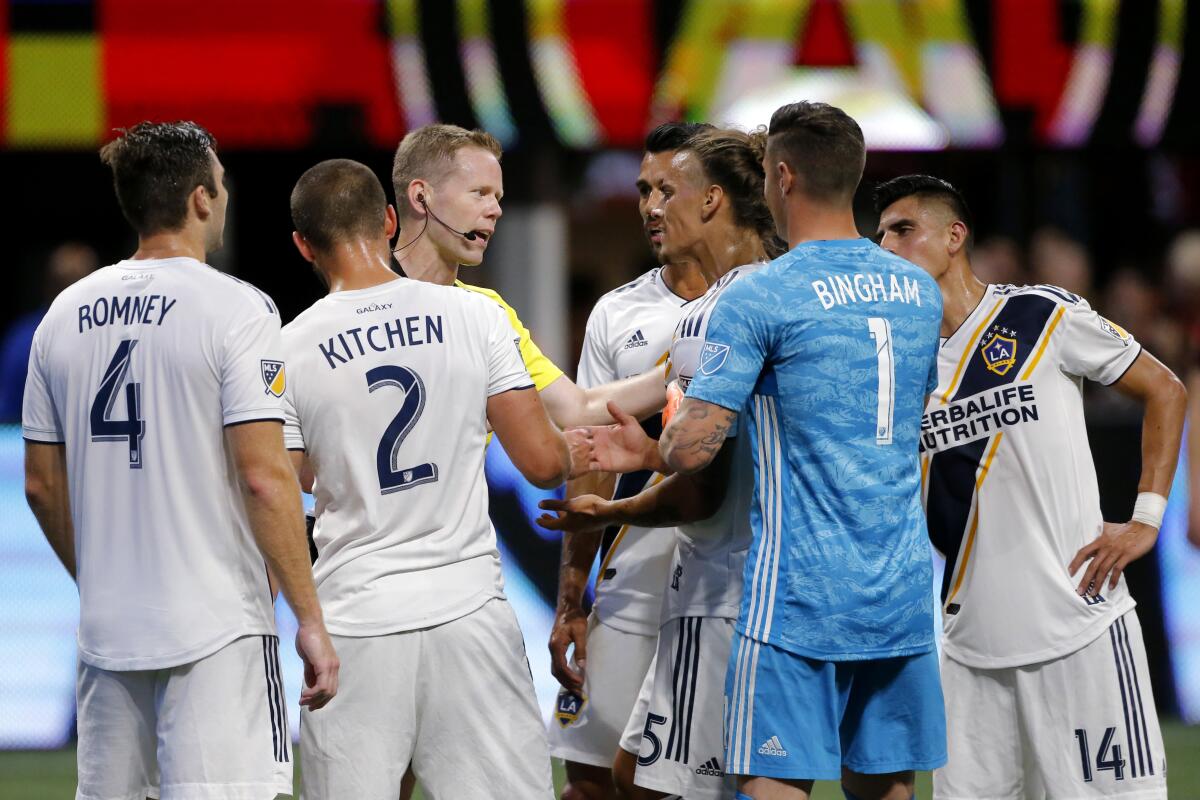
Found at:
<point>1158,303</point>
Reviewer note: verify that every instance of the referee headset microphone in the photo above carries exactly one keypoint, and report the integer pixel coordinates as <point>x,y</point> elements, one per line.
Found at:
<point>470,236</point>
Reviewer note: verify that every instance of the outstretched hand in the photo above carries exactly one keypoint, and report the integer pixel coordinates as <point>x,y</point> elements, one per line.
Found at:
<point>623,447</point>
<point>1114,549</point>
<point>579,442</point>
<point>582,514</point>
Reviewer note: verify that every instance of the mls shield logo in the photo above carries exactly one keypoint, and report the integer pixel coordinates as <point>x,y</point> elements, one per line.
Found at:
<point>273,377</point>
<point>568,707</point>
<point>1116,331</point>
<point>1000,353</point>
<point>712,357</point>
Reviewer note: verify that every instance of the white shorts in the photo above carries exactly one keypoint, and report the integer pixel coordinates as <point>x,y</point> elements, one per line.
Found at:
<point>214,728</point>
<point>456,700</point>
<point>1080,726</point>
<point>676,728</point>
<point>586,728</point>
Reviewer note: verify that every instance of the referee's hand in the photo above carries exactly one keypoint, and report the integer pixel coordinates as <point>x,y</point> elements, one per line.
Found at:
<point>320,665</point>
<point>1114,549</point>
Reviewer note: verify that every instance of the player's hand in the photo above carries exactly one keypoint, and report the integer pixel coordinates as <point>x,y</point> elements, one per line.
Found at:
<point>570,627</point>
<point>587,512</point>
<point>579,442</point>
<point>1112,551</point>
<point>320,665</point>
<point>623,447</point>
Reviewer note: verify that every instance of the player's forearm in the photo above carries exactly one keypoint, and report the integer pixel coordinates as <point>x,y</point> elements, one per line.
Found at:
<point>579,548</point>
<point>1162,432</point>
<point>695,435</point>
<point>676,500</point>
<point>53,513</point>
<point>272,499</point>
<point>640,396</point>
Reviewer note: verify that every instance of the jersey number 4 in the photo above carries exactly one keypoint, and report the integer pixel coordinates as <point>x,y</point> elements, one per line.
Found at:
<point>131,429</point>
<point>393,478</point>
<point>881,334</point>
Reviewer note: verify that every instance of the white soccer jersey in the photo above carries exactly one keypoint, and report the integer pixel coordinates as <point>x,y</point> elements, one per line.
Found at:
<point>137,368</point>
<point>706,569</point>
<point>1010,487</point>
<point>387,395</point>
<point>628,333</point>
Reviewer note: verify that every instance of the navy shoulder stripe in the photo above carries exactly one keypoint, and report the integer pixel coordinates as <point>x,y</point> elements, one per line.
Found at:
<point>267,301</point>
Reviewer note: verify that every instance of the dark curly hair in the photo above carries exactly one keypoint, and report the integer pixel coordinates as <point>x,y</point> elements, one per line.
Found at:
<point>156,166</point>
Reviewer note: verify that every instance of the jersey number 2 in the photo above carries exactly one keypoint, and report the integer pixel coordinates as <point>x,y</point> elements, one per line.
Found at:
<point>392,478</point>
<point>881,333</point>
<point>106,429</point>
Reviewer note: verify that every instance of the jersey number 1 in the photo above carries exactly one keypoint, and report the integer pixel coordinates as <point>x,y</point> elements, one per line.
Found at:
<point>881,333</point>
<point>391,477</point>
<point>106,429</point>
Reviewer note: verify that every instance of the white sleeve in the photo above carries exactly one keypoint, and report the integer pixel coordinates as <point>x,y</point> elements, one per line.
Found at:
<point>293,435</point>
<point>39,418</point>
<point>595,360</point>
<point>252,371</point>
<point>506,368</point>
<point>1094,348</point>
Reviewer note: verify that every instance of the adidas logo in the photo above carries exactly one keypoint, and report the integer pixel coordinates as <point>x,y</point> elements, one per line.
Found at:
<point>637,340</point>
<point>772,747</point>
<point>710,767</point>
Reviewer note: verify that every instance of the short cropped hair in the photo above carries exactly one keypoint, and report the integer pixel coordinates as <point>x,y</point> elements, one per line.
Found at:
<point>925,187</point>
<point>733,160</point>
<point>673,135</point>
<point>338,200</point>
<point>823,145</point>
<point>156,166</point>
<point>427,152</point>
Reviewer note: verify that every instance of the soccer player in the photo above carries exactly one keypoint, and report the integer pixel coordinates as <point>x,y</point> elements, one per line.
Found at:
<point>1044,669</point>
<point>628,333</point>
<point>712,200</point>
<point>155,465</point>
<point>826,356</point>
<point>448,185</point>
<point>394,383</point>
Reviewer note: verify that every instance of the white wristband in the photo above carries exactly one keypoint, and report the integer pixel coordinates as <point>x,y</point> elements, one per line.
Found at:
<point>1149,509</point>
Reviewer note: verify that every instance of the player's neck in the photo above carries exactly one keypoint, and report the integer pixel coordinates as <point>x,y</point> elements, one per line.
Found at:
<point>423,262</point>
<point>183,243</point>
<point>684,278</point>
<point>961,294</point>
<point>728,248</point>
<point>357,265</point>
<point>814,222</point>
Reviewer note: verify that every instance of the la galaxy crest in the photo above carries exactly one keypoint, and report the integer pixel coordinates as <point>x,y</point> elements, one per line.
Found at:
<point>273,376</point>
<point>568,707</point>
<point>999,349</point>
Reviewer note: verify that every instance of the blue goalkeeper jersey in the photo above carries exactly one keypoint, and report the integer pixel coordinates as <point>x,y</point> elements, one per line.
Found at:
<point>828,353</point>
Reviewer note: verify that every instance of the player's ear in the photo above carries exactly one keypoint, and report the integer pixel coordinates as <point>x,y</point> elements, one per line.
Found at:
<point>303,246</point>
<point>391,224</point>
<point>958,238</point>
<point>785,177</point>
<point>713,198</point>
<point>201,202</point>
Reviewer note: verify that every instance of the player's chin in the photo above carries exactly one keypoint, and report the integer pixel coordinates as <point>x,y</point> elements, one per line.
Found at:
<point>472,254</point>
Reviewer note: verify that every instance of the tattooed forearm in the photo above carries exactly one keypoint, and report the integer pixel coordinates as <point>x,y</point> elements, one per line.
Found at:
<point>695,435</point>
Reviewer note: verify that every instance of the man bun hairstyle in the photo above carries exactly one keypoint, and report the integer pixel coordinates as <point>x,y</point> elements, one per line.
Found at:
<point>428,152</point>
<point>926,187</point>
<point>156,166</point>
<point>338,200</point>
<point>823,145</point>
<point>733,160</point>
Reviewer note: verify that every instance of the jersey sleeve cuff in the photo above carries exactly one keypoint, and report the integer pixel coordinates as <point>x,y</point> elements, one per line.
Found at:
<point>1117,369</point>
<point>723,402</point>
<point>42,435</point>
<point>267,414</point>
<point>509,386</point>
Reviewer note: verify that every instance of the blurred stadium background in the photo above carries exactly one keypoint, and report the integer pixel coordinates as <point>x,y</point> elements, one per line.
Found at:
<point>1071,126</point>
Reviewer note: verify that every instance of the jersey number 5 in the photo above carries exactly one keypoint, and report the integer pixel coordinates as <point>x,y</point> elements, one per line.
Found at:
<point>391,477</point>
<point>106,429</point>
<point>881,334</point>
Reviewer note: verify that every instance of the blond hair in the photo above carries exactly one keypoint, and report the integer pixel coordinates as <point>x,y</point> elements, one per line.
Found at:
<point>427,152</point>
